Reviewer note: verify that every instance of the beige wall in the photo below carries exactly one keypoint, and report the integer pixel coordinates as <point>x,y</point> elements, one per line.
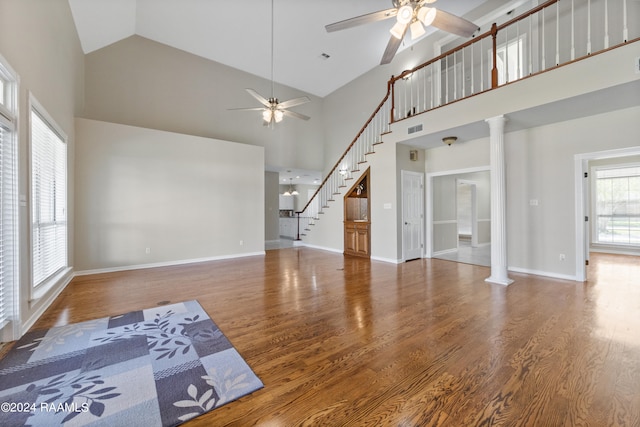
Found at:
<point>271,206</point>
<point>39,40</point>
<point>146,197</point>
<point>143,83</point>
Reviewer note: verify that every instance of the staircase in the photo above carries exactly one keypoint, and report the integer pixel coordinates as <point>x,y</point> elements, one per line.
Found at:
<point>348,166</point>
<point>548,36</point>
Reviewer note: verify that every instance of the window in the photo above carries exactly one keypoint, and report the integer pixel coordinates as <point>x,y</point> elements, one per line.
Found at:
<point>8,199</point>
<point>617,205</point>
<point>48,197</point>
<point>509,60</point>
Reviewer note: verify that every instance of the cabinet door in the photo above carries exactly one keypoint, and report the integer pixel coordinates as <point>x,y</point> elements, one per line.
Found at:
<point>362,241</point>
<point>350,240</point>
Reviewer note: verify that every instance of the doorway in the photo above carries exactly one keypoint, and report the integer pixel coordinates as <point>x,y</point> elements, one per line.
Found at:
<point>467,213</point>
<point>583,202</point>
<point>412,215</point>
<point>459,216</point>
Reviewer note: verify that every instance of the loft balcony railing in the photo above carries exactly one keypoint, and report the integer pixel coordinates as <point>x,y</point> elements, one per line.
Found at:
<point>553,34</point>
<point>550,35</point>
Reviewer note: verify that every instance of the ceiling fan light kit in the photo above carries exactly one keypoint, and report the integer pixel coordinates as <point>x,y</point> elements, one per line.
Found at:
<point>273,111</point>
<point>413,15</point>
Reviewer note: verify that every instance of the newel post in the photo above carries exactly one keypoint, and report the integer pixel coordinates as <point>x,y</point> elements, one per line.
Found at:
<point>391,89</point>
<point>494,44</point>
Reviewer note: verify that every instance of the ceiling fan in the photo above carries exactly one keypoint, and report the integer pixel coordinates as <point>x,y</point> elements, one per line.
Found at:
<point>274,111</point>
<point>413,15</point>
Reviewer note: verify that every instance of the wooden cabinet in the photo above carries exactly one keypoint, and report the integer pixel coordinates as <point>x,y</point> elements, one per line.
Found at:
<point>356,238</point>
<point>357,225</point>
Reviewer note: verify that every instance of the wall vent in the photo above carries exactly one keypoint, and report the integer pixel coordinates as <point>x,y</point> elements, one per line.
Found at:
<point>414,129</point>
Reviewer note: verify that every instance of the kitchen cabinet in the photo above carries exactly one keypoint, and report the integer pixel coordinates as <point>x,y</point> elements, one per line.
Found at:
<point>286,202</point>
<point>289,227</point>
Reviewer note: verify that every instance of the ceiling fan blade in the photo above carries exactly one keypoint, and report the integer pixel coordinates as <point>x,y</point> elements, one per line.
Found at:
<point>264,101</point>
<point>294,114</point>
<point>392,47</point>
<point>246,109</point>
<point>293,102</point>
<point>454,24</point>
<point>362,19</point>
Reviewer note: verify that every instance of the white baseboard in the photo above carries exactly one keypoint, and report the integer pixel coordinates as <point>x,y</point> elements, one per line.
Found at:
<point>446,251</point>
<point>165,264</point>
<point>24,327</point>
<point>389,260</point>
<point>322,248</point>
<point>544,273</point>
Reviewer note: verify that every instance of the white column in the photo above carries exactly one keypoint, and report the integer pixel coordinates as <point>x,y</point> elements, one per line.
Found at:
<point>498,203</point>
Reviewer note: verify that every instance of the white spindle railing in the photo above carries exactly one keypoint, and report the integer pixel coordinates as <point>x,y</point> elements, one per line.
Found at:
<point>549,35</point>
<point>520,48</point>
<point>347,167</point>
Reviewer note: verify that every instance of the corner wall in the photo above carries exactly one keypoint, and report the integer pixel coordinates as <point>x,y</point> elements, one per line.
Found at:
<point>38,38</point>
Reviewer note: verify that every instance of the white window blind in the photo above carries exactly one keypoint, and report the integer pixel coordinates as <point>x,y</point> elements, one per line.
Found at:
<point>48,198</point>
<point>8,226</point>
<point>8,195</point>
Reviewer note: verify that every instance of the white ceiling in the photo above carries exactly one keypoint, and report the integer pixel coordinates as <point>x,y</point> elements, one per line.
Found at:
<point>238,34</point>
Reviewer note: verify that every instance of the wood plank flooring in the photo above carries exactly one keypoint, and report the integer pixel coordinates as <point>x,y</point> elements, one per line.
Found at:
<point>347,341</point>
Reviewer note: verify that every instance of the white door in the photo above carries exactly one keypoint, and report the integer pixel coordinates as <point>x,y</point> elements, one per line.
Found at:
<point>412,215</point>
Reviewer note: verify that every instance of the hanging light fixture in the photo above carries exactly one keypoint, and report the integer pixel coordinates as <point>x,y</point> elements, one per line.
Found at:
<point>291,191</point>
<point>416,16</point>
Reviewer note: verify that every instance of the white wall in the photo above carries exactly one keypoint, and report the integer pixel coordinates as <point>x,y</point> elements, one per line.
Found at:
<point>540,166</point>
<point>143,83</point>
<point>182,197</point>
<point>38,39</point>
<point>271,206</point>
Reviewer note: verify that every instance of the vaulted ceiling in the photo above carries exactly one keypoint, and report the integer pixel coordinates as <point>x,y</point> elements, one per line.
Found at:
<point>238,34</point>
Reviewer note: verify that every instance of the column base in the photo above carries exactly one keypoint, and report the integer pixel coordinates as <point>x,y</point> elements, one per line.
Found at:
<point>505,281</point>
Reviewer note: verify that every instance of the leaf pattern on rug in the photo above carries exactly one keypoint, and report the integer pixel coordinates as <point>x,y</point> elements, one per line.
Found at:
<point>76,391</point>
<point>164,338</point>
<point>57,336</point>
<point>99,376</point>
<point>226,384</point>
<point>205,402</point>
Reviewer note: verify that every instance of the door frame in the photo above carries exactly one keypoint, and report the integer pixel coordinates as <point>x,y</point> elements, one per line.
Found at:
<point>582,199</point>
<point>404,173</point>
<point>429,200</point>
<point>474,210</point>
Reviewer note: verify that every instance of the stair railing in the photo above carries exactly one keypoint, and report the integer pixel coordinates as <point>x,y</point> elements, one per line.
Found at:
<point>347,166</point>
<point>550,35</point>
<point>536,41</point>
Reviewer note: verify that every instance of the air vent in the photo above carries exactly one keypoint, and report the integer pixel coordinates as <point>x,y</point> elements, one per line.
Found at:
<point>414,129</point>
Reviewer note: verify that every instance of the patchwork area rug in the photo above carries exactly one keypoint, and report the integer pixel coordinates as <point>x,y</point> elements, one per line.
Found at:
<point>156,367</point>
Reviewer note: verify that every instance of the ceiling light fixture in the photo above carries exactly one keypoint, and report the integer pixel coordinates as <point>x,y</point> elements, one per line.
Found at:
<point>291,191</point>
<point>417,19</point>
<point>417,30</point>
<point>449,140</point>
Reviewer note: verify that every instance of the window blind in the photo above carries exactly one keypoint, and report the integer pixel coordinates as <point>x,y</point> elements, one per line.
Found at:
<point>8,217</point>
<point>49,199</point>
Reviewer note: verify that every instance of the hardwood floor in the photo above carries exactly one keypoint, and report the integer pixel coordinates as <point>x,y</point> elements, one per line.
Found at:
<point>347,341</point>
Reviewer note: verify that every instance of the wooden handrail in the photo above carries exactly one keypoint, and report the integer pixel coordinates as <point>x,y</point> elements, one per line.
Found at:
<point>375,112</point>
<point>491,33</point>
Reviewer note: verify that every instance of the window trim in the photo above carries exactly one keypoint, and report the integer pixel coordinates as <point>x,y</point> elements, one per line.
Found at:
<point>595,242</point>
<point>38,290</point>
<point>10,329</point>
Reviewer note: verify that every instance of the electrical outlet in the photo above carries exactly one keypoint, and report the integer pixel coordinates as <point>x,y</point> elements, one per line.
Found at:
<point>147,251</point>
<point>562,257</point>
<point>241,242</point>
